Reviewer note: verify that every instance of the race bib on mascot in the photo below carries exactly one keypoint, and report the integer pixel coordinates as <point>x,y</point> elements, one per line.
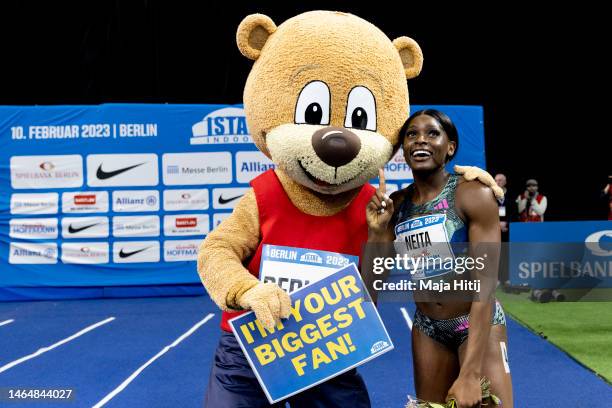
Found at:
<point>293,268</point>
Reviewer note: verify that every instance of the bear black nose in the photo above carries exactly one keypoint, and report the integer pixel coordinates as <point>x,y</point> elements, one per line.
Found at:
<point>336,146</point>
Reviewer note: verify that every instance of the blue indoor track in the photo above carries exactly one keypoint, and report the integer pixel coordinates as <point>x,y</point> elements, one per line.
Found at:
<point>157,352</point>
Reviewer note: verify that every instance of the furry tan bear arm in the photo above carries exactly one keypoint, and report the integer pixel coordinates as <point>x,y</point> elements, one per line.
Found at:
<point>476,173</point>
<point>221,254</point>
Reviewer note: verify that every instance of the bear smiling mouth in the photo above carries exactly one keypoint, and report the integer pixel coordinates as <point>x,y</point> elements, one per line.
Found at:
<point>321,182</point>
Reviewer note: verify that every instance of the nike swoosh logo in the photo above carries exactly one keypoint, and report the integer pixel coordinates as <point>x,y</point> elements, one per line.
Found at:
<point>103,175</point>
<point>73,230</point>
<point>128,254</point>
<point>227,200</point>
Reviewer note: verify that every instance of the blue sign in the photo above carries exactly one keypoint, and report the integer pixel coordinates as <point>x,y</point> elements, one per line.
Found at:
<point>576,254</point>
<point>333,328</point>
<point>123,194</point>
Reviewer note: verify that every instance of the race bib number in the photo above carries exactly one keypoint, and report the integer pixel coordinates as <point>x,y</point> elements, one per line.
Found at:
<point>502,210</point>
<point>423,242</point>
<point>293,268</point>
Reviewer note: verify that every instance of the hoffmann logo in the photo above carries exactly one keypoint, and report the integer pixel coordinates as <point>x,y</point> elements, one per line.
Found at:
<point>176,251</point>
<point>397,168</point>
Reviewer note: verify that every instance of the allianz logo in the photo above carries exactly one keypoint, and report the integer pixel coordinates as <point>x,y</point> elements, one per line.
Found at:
<point>48,253</point>
<point>378,346</point>
<point>256,167</point>
<point>311,257</point>
<point>223,126</point>
<point>150,200</point>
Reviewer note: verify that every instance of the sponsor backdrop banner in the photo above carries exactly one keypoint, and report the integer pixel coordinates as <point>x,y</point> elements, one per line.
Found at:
<point>557,255</point>
<point>123,194</point>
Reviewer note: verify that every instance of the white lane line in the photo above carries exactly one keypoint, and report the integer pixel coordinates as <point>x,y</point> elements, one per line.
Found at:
<point>9,321</point>
<point>59,343</point>
<point>406,317</point>
<point>125,383</point>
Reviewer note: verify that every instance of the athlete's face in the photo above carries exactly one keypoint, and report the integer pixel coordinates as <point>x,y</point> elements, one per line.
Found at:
<point>426,145</point>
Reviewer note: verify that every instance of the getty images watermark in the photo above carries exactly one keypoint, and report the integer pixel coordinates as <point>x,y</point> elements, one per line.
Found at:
<point>424,269</point>
<point>433,271</point>
<point>403,271</point>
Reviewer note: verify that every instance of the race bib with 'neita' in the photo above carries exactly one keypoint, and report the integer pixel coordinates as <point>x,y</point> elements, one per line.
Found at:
<point>423,242</point>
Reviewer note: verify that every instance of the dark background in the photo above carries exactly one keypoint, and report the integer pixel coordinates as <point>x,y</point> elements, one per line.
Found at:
<point>536,72</point>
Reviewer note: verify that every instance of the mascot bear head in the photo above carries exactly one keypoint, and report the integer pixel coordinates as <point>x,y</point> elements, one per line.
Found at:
<point>326,96</point>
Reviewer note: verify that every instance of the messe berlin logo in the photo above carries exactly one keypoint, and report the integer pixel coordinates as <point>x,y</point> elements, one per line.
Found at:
<point>223,126</point>
<point>594,243</point>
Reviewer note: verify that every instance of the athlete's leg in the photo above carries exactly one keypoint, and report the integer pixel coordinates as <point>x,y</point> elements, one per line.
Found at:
<point>435,367</point>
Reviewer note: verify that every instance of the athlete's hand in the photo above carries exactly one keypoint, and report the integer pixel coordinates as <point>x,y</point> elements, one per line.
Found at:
<point>466,392</point>
<point>269,302</point>
<point>380,208</point>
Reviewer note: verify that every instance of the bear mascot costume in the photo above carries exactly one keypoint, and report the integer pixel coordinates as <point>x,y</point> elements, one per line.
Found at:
<point>325,101</point>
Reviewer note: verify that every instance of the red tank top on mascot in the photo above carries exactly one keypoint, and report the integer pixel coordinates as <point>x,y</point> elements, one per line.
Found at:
<point>281,223</point>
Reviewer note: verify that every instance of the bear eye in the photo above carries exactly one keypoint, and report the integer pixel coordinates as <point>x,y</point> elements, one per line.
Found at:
<point>313,104</point>
<point>361,109</point>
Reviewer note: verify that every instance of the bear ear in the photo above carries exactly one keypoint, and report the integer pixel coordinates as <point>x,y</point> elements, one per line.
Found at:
<point>411,55</point>
<point>252,34</point>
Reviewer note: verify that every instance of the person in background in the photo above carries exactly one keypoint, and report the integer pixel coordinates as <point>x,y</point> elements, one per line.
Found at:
<point>500,179</point>
<point>531,204</point>
<point>607,194</point>
<point>504,219</point>
<point>531,208</point>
